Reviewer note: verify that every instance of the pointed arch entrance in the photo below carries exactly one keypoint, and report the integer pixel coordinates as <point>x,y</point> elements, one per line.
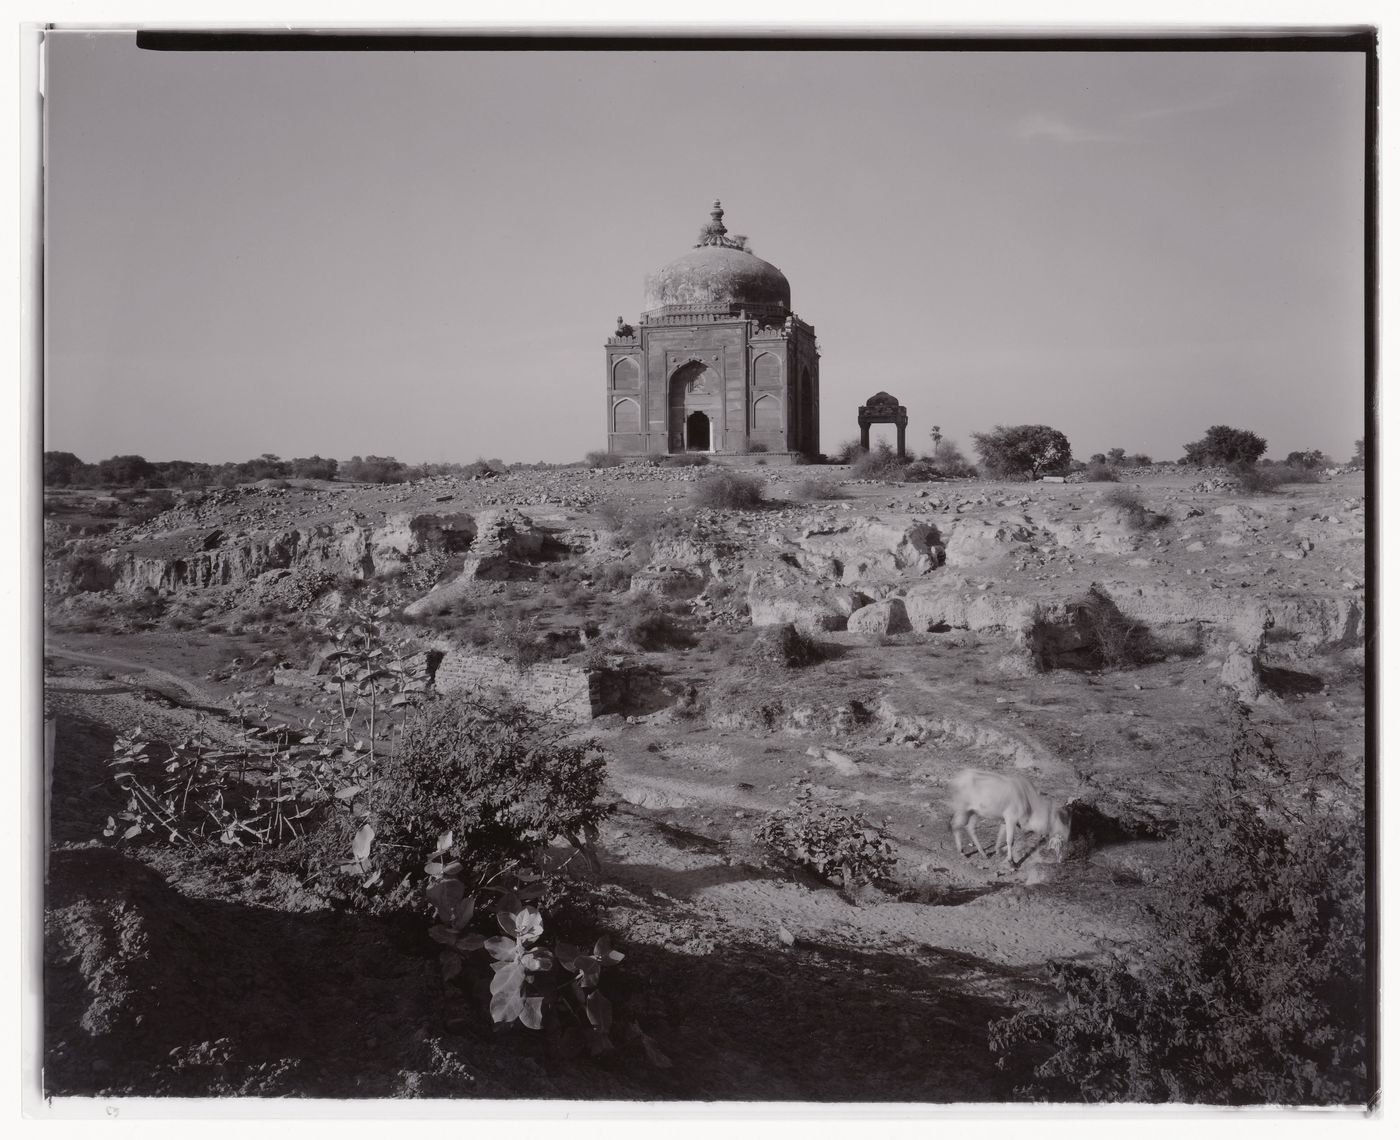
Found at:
<point>695,399</point>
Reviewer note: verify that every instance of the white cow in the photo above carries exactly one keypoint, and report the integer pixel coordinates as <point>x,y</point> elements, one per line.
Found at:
<point>1011,799</point>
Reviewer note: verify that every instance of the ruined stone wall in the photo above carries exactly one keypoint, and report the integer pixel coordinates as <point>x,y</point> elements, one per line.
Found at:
<point>567,691</point>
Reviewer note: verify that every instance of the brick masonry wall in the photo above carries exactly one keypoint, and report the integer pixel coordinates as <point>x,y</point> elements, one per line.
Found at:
<point>567,691</point>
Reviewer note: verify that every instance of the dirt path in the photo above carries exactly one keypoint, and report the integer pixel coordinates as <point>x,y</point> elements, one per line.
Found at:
<point>184,692</point>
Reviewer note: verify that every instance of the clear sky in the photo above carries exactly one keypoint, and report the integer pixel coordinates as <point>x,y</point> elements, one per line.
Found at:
<point>421,255</point>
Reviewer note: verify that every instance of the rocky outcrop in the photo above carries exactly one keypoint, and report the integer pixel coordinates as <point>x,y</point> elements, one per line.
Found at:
<point>780,597</point>
<point>506,540</point>
<point>507,543</point>
<point>861,550</point>
<point>668,582</point>
<point>974,542</point>
<point>956,604</point>
<point>405,535</point>
<point>198,559</point>
<point>173,565</point>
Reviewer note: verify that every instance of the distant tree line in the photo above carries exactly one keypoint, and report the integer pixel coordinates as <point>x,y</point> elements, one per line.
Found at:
<point>64,469</point>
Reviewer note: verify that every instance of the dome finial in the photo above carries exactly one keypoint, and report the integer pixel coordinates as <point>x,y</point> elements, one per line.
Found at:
<point>713,233</point>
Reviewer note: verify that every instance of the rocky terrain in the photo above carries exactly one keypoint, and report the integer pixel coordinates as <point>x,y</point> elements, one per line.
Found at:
<point>1082,634</point>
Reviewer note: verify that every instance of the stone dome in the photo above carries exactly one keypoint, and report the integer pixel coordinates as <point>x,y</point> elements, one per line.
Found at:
<point>719,271</point>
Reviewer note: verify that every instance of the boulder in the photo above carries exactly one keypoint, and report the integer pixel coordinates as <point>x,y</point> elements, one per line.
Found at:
<point>783,646</point>
<point>1240,674</point>
<point>884,617</point>
<point>976,541</point>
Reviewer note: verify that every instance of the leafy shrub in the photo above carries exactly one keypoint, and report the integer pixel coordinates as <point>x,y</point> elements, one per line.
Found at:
<point>373,469</point>
<point>1222,446</point>
<point>1135,514</point>
<point>503,779</point>
<point>1117,640</point>
<point>314,467</point>
<point>1026,451</point>
<point>648,626</point>
<point>812,490</point>
<point>880,463</point>
<point>921,471</point>
<point>1100,472</point>
<point>831,842</point>
<point>690,460</point>
<point>728,490</point>
<point>596,459</point>
<point>1253,988</point>
<point>520,643</point>
<point>949,461</point>
<point>847,452</point>
<point>1267,480</point>
<point>87,573</point>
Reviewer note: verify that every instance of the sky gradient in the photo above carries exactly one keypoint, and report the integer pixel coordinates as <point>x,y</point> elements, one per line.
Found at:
<point>421,255</point>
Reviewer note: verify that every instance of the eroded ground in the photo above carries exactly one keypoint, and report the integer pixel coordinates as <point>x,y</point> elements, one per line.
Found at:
<point>1041,628</point>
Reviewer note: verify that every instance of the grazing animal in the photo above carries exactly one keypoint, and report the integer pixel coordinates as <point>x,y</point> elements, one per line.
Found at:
<point>1011,799</point>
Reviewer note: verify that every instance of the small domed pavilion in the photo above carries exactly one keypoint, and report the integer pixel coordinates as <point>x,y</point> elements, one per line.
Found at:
<point>719,363</point>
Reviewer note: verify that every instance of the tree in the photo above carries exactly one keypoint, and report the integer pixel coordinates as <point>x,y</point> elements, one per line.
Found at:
<point>935,433</point>
<point>1307,459</point>
<point>373,469</point>
<point>1223,446</point>
<point>1031,450</point>
<point>1117,456</point>
<point>314,467</point>
<point>185,473</point>
<point>1359,459</point>
<point>125,470</point>
<point>1098,457</point>
<point>61,468</point>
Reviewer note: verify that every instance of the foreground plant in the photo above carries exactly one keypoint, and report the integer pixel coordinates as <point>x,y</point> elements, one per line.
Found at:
<point>831,842</point>
<point>279,781</point>
<point>1253,989</point>
<point>558,991</point>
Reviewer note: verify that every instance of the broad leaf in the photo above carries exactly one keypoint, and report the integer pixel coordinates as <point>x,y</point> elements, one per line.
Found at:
<point>506,1005</point>
<point>532,1012</point>
<point>538,961</point>
<point>445,894</point>
<point>501,948</point>
<point>529,924</point>
<point>451,964</point>
<point>364,840</point>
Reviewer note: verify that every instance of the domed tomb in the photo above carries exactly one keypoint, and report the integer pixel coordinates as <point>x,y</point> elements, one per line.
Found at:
<point>718,363</point>
<point>717,275</point>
